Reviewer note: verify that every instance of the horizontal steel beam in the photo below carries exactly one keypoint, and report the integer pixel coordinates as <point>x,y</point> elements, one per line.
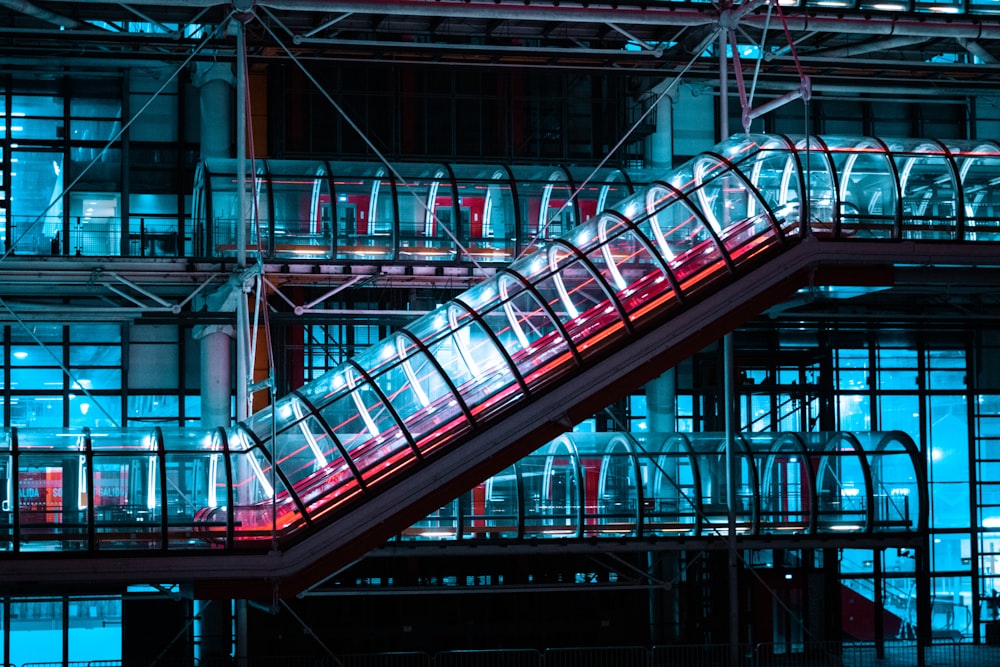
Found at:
<point>625,14</point>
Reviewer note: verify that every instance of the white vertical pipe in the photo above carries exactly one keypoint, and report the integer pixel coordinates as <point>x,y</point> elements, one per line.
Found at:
<point>242,320</point>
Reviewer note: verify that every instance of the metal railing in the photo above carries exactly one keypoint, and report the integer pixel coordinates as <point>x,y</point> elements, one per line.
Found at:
<point>812,654</point>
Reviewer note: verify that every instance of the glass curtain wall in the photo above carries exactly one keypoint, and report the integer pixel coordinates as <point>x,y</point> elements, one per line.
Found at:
<point>65,155</point>
<point>98,375</point>
<point>60,630</point>
<point>939,387</point>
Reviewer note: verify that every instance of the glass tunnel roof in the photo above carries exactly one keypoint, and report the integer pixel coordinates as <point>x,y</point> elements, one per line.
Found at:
<point>579,485</point>
<point>428,212</point>
<point>356,211</point>
<point>612,485</point>
<point>430,388</point>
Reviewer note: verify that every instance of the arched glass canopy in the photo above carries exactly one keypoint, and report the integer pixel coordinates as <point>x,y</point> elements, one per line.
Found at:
<point>108,490</point>
<point>363,211</point>
<point>429,388</point>
<point>611,485</point>
<point>414,212</point>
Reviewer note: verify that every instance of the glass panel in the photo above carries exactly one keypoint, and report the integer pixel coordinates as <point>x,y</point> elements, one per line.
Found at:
<point>980,6</point>
<point>951,601</point>
<point>483,297</point>
<point>526,329</point>
<point>225,213</point>
<point>948,462</point>
<point>552,493</point>
<point>94,216</point>
<point>867,188</point>
<point>852,369</point>
<point>692,254</point>
<point>97,332</point>
<point>486,202</point>
<point>190,439</point>
<point>364,215</point>
<point>95,355</point>
<point>625,263</point>
<point>52,507</point>
<point>420,396</point>
<point>367,430</point>
<point>8,488</point>
<point>946,369</point>
<point>36,220</point>
<point>442,524</point>
<point>842,490</point>
<point>152,410</point>
<point>127,501</point>
<point>948,551</point>
<point>824,198</point>
<point>580,301</point>
<point>611,494</point>
<point>597,190</point>
<point>36,631</point>
<point>899,412</point>
<point>731,209</point>
<point>263,505</point>
<point>259,216</point>
<point>193,490</point>
<point>311,461</point>
<point>36,379</point>
<point>543,196</point>
<point>670,496</point>
<point>128,440</point>
<point>929,192</point>
<point>95,630</point>
<point>895,489</point>
<point>977,168</point>
<point>773,172</point>
<point>226,216</point>
<point>97,379</point>
<point>153,226</point>
<point>429,214</point>
<point>786,503</point>
<point>470,358</point>
<point>303,225</point>
<point>499,505</point>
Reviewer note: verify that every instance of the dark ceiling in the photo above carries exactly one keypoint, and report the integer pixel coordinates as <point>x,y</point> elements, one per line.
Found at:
<point>834,47</point>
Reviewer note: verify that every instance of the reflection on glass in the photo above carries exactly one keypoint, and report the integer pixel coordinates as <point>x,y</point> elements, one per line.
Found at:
<point>539,320</point>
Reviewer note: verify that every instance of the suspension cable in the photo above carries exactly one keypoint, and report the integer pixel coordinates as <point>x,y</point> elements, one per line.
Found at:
<point>370,144</point>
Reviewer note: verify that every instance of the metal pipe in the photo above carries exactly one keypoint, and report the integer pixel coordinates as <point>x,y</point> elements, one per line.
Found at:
<point>42,14</point>
<point>790,96</point>
<point>242,319</point>
<point>866,47</point>
<point>976,49</point>
<point>886,23</point>
<point>881,23</point>
<point>729,407</point>
<point>476,48</point>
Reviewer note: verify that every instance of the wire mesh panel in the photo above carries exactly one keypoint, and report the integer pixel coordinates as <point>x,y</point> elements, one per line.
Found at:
<point>818,654</point>
<point>690,656</point>
<point>624,656</point>
<point>385,660</point>
<point>497,658</point>
<point>906,653</point>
